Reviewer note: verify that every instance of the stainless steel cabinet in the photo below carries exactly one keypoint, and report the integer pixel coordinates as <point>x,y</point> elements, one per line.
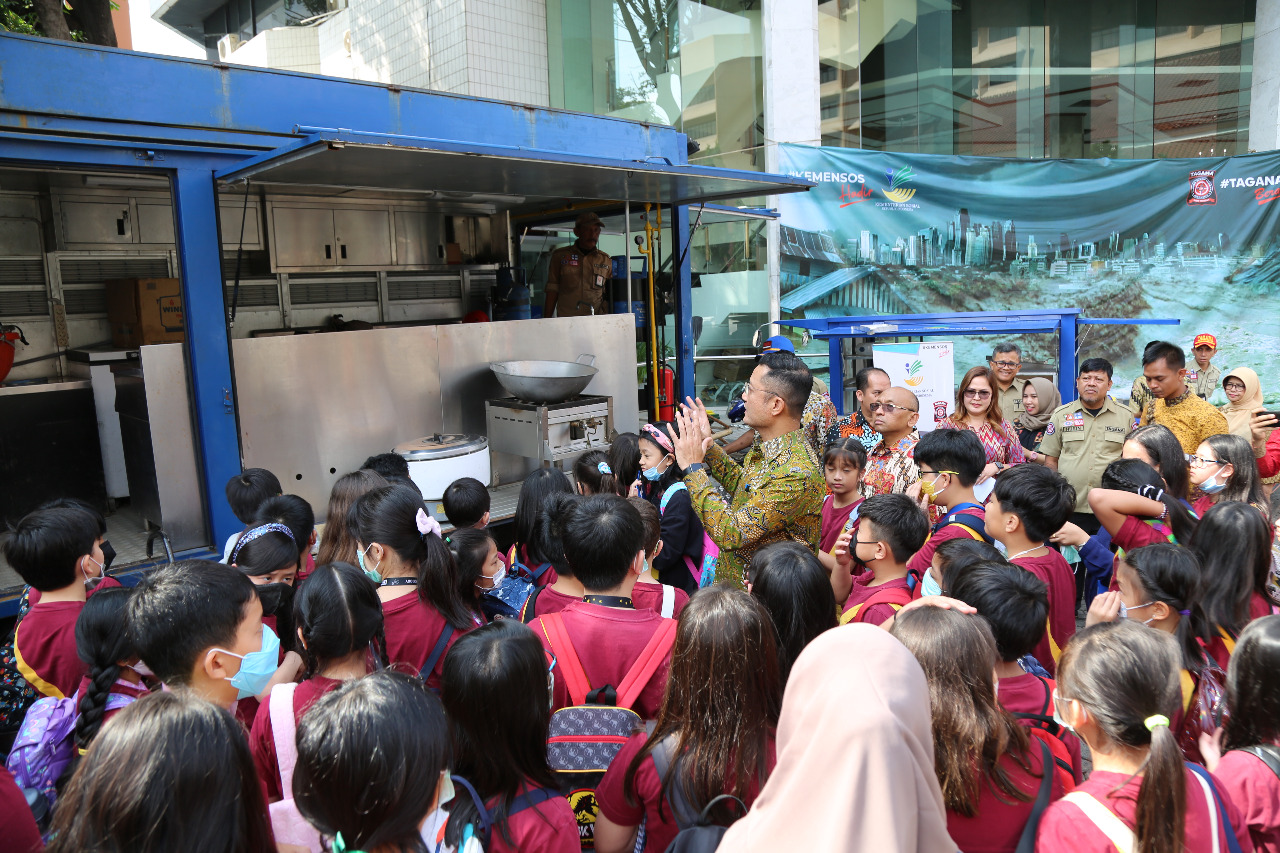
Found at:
<point>324,238</point>
<point>97,222</point>
<point>419,238</point>
<point>362,237</point>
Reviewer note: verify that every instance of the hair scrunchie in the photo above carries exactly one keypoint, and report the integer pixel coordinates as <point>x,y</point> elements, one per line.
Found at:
<point>603,468</point>
<point>426,525</point>
<point>1154,721</point>
<point>1153,492</point>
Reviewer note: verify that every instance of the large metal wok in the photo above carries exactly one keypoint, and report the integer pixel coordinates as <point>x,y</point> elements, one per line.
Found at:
<point>545,381</point>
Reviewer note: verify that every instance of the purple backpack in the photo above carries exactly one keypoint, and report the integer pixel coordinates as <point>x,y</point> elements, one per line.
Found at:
<point>46,743</point>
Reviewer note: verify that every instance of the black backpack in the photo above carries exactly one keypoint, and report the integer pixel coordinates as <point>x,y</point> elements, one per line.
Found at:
<point>16,694</point>
<point>698,833</point>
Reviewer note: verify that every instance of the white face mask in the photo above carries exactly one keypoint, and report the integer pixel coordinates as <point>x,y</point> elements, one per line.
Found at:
<point>496,578</point>
<point>90,581</point>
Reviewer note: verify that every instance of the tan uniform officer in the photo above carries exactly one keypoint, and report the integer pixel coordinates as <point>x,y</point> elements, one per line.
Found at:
<point>1005,363</point>
<point>578,277</point>
<point>1083,437</point>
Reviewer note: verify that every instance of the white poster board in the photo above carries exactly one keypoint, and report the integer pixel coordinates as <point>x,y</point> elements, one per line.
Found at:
<point>927,369</point>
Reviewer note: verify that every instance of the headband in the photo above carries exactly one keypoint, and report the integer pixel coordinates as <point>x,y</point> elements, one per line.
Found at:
<point>1154,721</point>
<point>259,531</point>
<point>655,434</point>
<point>603,468</point>
<point>426,524</point>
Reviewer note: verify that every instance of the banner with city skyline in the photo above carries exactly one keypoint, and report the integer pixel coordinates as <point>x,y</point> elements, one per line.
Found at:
<point>1190,239</point>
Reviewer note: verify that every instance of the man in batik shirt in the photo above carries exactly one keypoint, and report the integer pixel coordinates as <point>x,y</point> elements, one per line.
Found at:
<point>776,494</point>
<point>891,464</point>
<point>871,383</point>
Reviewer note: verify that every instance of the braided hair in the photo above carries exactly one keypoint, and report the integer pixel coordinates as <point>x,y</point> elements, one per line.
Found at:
<point>1136,476</point>
<point>102,641</point>
<point>338,612</point>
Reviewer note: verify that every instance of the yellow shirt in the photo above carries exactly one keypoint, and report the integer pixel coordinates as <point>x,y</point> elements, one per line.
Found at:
<point>1191,419</point>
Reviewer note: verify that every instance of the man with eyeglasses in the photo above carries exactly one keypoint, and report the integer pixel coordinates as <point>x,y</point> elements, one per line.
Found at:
<point>1005,363</point>
<point>776,494</point>
<point>1084,437</point>
<point>871,383</point>
<point>891,465</point>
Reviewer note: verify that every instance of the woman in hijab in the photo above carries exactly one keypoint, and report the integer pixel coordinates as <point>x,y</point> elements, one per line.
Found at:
<point>856,695</point>
<point>1244,397</point>
<point>1039,401</point>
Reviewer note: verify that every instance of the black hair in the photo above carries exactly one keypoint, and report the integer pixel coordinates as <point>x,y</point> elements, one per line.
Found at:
<point>592,472</point>
<point>370,755</point>
<point>624,459</point>
<point>388,465</point>
<point>899,521</point>
<point>494,688</point>
<point>1040,497</point>
<point>247,490</point>
<point>863,379</point>
<point>958,555</point>
<point>294,513</point>
<point>338,613</point>
<point>180,611</point>
<point>465,502</point>
<point>1136,476</point>
<point>534,491</point>
<point>601,536</point>
<point>1013,601</point>
<point>46,546</point>
<point>394,480</point>
<point>674,472</point>
<point>268,552</point>
<point>1167,456</point>
<point>790,378</point>
<point>1274,506</point>
<point>1233,545</point>
<point>171,772</point>
<point>848,450</point>
<point>958,450</point>
<point>1170,354</point>
<point>788,580</point>
<point>102,642</point>
<point>1096,365</point>
<point>1171,574</point>
<point>76,503</point>
<point>546,545</point>
<point>1244,484</point>
<point>652,521</point>
<point>1253,691</point>
<point>1007,346</point>
<point>469,547</point>
<point>388,516</point>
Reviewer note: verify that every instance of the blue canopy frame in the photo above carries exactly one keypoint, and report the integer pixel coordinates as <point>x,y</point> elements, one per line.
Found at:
<point>1063,321</point>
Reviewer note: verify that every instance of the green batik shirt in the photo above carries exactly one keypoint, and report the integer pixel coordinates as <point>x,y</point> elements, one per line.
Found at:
<point>775,495</point>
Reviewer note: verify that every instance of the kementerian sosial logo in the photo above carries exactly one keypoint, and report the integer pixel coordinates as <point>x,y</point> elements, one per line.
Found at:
<point>915,370</point>
<point>896,178</point>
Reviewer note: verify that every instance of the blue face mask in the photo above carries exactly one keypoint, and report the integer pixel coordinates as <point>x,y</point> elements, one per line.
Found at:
<point>372,574</point>
<point>256,668</point>
<point>1211,486</point>
<point>929,586</point>
<point>653,474</point>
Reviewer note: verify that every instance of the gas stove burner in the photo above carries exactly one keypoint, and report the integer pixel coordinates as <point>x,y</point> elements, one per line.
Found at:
<point>572,402</point>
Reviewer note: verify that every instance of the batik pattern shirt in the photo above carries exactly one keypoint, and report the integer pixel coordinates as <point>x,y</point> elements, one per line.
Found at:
<point>1191,419</point>
<point>1006,449</point>
<point>817,419</point>
<point>854,426</point>
<point>775,495</point>
<point>891,469</point>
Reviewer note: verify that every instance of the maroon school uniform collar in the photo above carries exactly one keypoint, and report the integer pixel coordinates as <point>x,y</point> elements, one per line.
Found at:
<point>620,601</point>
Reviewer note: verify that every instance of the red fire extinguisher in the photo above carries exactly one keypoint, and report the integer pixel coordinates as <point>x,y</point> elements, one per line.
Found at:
<point>9,334</point>
<point>666,394</point>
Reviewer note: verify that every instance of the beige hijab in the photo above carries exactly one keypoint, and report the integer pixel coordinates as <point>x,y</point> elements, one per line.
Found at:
<point>1238,414</point>
<point>1048,401</point>
<point>855,755</point>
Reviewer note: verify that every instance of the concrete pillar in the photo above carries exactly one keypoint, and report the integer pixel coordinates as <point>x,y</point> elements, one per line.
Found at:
<point>1264,95</point>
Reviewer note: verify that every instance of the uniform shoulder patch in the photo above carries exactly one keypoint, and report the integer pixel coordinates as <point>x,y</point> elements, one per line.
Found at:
<point>1049,430</point>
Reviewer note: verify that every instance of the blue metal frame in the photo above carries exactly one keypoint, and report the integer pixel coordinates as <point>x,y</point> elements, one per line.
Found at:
<point>1061,320</point>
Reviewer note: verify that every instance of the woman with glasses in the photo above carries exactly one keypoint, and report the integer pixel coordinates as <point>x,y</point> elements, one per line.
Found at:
<point>1223,469</point>
<point>978,410</point>
<point>1244,399</point>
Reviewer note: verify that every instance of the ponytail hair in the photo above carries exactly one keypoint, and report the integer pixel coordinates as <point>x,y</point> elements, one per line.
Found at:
<point>547,545</point>
<point>469,546</point>
<point>1126,677</point>
<point>1170,574</point>
<point>593,472</point>
<point>1139,478</point>
<point>389,517</point>
<point>102,641</point>
<point>338,613</point>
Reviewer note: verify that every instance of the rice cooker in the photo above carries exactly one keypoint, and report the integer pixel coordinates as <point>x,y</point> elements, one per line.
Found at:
<point>437,460</point>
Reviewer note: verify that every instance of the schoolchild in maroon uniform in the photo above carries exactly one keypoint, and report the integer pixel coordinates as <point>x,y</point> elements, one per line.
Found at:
<point>988,766</point>
<point>400,548</point>
<point>1015,604</point>
<point>58,552</point>
<point>373,758</point>
<point>495,690</point>
<point>545,547</point>
<point>890,529</point>
<point>1118,689</point>
<point>339,628</point>
<point>479,566</point>
<point>716,725</point>
<point>950,463</point>
<point>246,492</point>
<point>955,556</point>
<point>1235,575</point>
<point>842,464</point>
<point>1246,753</point>
<point>108,552</point>
<point>466,503</point>
<point>1030,503</point>
<point>535,491</point>
<point>1137,509</point>
<point>649,592</point>
<point>603,541</point>
<point>297,515</point>
<point>106,648</point>
<point>789,581</point>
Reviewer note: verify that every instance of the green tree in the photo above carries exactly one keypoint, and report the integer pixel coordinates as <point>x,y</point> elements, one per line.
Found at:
<point>69,20</point>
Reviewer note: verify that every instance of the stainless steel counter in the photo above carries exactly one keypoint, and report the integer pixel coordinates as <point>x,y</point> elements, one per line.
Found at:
<point>15,390</point>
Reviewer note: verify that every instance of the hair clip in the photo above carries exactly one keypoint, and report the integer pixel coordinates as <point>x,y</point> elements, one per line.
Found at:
<point>340,846</point>
<point>603,468</point>
<point>425,523</point>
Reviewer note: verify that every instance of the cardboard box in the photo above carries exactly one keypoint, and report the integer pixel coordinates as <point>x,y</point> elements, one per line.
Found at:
<point>145,311</point>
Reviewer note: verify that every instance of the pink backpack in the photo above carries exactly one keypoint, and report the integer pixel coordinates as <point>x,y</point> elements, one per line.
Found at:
<point>704,574</point>
<point>288,824</point>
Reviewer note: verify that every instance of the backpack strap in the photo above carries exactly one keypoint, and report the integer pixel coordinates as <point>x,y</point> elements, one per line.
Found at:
<point>663,755</point>
<point>539,572</point>
<point>529,610</point>
<point>973,525</point>
<point>668,601</point>
<point>1228,640</point>
<point>284,728</point>
<point>1269,755</point>
<point>442,643</point>
<point>1217,814</point>
<point>1105,820</point>
<point>657,650</point>
<point>1027,841</point>
<point>669,494</point>
<point>896,597</point>
<point>575,677</point>
<point>532,799</point>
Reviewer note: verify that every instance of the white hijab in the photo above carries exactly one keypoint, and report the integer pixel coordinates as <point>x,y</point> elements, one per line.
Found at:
<point>855,755</point>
